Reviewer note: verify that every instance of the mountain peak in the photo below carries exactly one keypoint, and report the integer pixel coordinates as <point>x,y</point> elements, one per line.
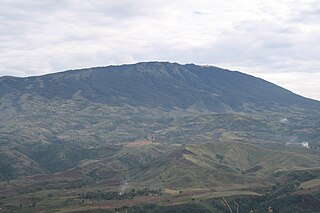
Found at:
<point>160,84</point>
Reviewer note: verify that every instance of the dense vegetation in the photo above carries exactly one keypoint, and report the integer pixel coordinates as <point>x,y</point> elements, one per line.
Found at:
<point>121,195</point>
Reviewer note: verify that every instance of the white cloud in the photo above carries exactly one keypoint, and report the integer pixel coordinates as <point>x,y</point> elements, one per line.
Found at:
<point>297,81</point>
<point>266,38</point>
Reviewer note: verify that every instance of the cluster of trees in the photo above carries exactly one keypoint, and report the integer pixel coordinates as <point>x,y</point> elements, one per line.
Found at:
<point>119,195</point>
<point>153,208</point>
<point>6,170</point>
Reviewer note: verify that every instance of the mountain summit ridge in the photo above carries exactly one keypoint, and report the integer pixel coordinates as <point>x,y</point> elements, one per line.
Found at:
<point>160,84</point>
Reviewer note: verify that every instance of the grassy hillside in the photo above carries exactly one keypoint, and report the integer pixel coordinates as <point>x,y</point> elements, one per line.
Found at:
<point>181,173</point>
<point>155,137</point>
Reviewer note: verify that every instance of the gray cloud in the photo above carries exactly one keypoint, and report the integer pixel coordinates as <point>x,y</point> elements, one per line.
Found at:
<point>265,38</point>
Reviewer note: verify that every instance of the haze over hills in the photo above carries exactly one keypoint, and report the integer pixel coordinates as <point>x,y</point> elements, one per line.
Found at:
<point>155,132</point>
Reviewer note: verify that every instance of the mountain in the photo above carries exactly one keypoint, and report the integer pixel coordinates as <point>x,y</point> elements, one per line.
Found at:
<point>156,137</point>
<point>160,84</point>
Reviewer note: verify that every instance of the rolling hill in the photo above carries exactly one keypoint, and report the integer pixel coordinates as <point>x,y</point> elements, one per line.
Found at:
<point>154,133</point>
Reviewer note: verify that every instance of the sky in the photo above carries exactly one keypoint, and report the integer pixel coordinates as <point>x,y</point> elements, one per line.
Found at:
<point>277,40</point>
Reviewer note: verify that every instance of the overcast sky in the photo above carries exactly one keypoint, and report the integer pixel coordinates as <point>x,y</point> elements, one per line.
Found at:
<point>278,40</point>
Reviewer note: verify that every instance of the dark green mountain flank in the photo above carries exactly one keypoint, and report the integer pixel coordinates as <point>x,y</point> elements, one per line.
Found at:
<point>156,137</point>
<point>156,84</point>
